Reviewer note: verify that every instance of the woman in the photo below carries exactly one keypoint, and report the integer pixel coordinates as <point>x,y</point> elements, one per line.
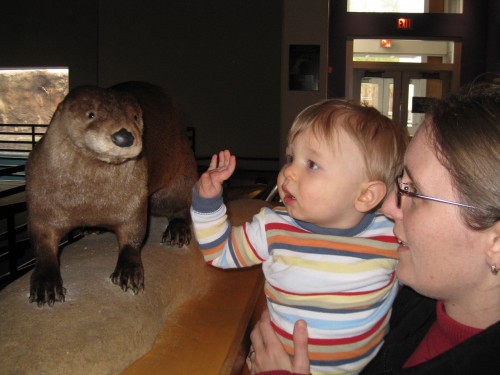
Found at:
<point>446,208</point>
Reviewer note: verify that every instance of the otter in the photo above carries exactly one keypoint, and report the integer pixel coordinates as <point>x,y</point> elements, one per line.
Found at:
<point>109,157</point>
<point>172,169</point>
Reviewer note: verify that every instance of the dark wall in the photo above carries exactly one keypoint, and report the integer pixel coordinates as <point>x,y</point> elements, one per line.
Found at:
<point>471,28</point>
<point>51,33</point>
<point>493,37</point>
<point>220,59</point>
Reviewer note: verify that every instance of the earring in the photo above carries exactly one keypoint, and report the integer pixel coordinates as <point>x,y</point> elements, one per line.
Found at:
<point>494,269</point>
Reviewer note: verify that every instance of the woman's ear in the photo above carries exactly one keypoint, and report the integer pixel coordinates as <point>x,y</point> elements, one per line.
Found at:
<point>493,242</point>
<point>372,193</point>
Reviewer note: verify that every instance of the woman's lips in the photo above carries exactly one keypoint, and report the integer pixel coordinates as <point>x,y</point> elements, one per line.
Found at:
<point>402,245</point>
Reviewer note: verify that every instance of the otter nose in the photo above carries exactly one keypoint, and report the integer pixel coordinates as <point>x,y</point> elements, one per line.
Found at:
<point>123,138</point>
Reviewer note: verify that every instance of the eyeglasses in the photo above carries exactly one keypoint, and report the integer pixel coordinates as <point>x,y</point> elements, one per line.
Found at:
<point>404,188</point>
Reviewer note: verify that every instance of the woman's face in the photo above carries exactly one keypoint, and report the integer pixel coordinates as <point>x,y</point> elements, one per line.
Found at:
<point>440,257</point>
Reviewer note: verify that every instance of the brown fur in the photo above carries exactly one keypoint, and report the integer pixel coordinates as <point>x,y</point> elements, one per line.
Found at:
<point>78,177</point>
<point>166,149</point>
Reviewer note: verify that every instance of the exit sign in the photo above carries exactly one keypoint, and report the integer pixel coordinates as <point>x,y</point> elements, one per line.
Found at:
<point>404,23</point>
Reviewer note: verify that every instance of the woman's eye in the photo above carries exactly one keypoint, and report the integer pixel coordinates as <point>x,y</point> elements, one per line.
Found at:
<point>404,186</point>
<point>312,165</point>
<point>409,187</point>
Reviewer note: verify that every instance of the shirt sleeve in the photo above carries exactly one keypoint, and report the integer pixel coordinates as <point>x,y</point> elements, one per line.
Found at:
<point>224,245</point>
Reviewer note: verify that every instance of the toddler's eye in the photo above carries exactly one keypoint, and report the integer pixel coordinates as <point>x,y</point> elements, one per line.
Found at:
<point>312,165</point>
<point>289,159</point>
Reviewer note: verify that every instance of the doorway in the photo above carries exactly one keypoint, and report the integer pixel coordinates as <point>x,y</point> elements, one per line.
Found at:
<point>400,90</point>
<point>400,94</point>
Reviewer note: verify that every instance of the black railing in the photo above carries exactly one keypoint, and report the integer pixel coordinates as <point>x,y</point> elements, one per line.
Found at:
<point>19,139</point>
<point>16,142</point>
<point>14,247</point>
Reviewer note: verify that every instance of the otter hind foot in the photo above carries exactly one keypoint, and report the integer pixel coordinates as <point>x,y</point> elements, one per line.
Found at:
<point>177,233</point>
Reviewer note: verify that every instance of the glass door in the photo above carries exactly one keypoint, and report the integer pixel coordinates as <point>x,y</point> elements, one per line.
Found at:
<point>400,95</point>
<point>378,93</point>
<point>398,76</point>
<point>418,88</point>
<point>379,89</point>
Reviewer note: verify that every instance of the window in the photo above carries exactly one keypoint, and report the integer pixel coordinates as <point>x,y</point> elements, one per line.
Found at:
<point>28,97</point>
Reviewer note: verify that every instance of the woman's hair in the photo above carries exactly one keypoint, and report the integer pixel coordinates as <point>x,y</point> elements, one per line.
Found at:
<point>381,141</point>
<point>464,128</point>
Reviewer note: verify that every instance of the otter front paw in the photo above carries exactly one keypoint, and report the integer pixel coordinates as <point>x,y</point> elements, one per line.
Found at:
<point>177,233</point>
<point>129,276</point>
<point>46,287</point>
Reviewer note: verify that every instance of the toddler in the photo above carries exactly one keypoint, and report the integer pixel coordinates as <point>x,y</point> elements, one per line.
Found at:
<point>328,257</point>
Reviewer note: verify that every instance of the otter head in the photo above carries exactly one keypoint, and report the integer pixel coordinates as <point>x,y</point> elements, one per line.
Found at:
<point>101,123</point>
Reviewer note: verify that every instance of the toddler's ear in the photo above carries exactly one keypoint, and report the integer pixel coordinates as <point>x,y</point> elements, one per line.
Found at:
<point>372,193</point>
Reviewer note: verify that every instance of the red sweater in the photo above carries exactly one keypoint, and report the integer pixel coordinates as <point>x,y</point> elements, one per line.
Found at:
<point>444,334</point>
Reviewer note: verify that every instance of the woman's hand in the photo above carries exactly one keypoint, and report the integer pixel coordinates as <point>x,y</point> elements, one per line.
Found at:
<point>221,168</point>
<point>268,352</point>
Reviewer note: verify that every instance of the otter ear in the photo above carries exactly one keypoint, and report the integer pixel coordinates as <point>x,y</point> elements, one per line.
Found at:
<point>372,193</point>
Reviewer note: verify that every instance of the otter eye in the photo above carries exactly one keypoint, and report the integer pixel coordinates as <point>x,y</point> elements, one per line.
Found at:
<point>136,117</point>
<point>90,115</point>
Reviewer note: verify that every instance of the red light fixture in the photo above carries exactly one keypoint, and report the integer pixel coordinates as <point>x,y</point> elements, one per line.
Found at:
<point>385,43</point>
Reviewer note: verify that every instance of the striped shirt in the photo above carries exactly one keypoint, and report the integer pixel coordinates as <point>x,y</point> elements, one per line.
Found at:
<point>340,281</point>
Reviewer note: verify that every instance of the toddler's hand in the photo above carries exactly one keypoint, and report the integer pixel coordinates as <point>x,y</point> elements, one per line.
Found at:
<point>220,169</point>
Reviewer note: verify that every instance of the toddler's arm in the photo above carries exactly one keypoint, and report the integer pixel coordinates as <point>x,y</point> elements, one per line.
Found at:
<point>221,168</point>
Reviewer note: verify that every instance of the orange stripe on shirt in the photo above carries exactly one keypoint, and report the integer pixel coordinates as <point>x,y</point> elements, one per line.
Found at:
<point>210,253</point>
<point>349,247</point>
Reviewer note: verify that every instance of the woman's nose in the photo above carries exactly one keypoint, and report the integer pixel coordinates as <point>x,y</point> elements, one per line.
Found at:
<point>390,208</point>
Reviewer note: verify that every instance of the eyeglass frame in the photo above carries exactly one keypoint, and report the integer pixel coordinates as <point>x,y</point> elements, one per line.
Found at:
<point>400,192</point>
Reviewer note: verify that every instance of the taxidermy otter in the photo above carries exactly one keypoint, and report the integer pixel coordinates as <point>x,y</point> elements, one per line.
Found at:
<point>106,154</point>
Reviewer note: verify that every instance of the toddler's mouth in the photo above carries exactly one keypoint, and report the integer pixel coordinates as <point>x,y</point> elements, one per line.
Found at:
<point>287,195</point>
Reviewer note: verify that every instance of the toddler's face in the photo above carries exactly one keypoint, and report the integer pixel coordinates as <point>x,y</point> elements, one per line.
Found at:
<point>322,179</point>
